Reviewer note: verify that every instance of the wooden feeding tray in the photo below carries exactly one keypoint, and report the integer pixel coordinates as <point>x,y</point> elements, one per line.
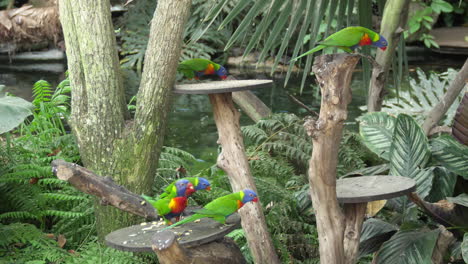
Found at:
<point>137,238</point>
<point>221,86</point>
<point>372,188</point>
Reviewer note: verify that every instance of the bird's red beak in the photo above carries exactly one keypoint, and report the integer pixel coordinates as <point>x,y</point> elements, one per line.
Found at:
<point>255,200</point>
<point>383,48</point>
<point>190,190</point>
<point>208,188</point>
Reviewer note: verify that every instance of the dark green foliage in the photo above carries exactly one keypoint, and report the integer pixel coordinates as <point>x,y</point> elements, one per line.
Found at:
<point>135,29</point>
<point>21,243</point>
<point>283,135</point>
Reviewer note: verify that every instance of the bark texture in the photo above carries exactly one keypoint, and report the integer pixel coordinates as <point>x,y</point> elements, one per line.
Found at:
<point>457,85</point>
<point>393,22</point>
<point>224,251</point>
<point>234,162</point>
<point>334,74</point>
<point>110,144</point>
<point>104,188</point>
<point>27,26</point>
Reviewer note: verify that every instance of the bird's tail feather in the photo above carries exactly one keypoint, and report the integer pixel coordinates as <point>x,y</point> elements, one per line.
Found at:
<point>186,220</point>
<point>319,47</point>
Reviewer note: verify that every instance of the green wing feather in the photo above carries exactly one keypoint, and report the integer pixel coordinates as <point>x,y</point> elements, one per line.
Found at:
<point>217,209</point>
<point>196,65</point>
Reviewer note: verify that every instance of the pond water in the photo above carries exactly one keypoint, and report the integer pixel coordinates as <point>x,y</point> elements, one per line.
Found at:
<point>191,126</point>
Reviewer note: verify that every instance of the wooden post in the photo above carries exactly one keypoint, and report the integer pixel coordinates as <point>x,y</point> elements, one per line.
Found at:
<point>251,105</point>
<point>165,245</point>
<point>334,74</point>
<point>354,217</point>
<point>393,22</point>
<point>234,162</point>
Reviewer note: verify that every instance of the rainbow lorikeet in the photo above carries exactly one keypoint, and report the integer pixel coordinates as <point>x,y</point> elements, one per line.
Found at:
<point>220,208</point>
<point>349,39</point>
<point>172,206</point>
<point>195,68</point>
<point>199,183</point>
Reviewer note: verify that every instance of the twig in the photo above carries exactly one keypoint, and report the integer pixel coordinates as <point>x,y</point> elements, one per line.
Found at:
<point>374,63</point>
<point>297,101</point>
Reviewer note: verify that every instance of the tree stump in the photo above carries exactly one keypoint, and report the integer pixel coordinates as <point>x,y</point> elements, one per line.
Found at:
<point>334,74</point>
<point>233,159</point>
<point>339,230</point>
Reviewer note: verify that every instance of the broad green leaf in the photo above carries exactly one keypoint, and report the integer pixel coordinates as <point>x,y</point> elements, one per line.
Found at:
<point>408,247</point>
<point>409,152</point>
<point>376,130</point>
<point>464,248</point>
<point>451,154</point>
<point>368,171</point>
<point>374,233</point>
<point>13,111</point>
<point>461,199</point>
<point>444,183</point>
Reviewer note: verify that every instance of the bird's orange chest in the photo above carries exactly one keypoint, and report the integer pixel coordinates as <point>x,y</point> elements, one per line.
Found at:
<point>178,204</point>
<point>209,69</point>
<point>365,40</point>
<point>239,204</point>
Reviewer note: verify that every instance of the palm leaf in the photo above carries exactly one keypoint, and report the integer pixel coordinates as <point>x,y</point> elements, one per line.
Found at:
<point>425,93</point>
<point>376,130</point>
<point>451,154</point>
<point>409,152</point>
<point>408,247</point>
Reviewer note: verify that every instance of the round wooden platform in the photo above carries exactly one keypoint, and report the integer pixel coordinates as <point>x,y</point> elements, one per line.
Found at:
<point>137,238</point>
<point>372,188</point>
<point>221,86</point>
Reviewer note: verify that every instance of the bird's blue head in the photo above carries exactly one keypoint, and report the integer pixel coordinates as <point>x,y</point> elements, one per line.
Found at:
<point>249,196</point>
<point>183,187</point>
<point>203,184</point>
<point>222,73</point>
<point>380,43</point>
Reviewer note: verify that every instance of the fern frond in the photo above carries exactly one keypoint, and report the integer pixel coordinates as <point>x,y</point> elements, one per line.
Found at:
<point>42,91</point>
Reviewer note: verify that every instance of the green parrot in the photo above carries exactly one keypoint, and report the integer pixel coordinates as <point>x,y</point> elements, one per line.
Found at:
<point>220,208</point>
<point>349,39</point>
<point>172,206</point>
<point>195,68</point>
<point>199,183</point>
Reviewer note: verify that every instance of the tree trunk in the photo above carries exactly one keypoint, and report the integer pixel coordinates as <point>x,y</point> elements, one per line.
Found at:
<point>110,144</point>
<point>393,22</point>
<point>234,162</point>
<point>436,114</point>
<point>334,74</point>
